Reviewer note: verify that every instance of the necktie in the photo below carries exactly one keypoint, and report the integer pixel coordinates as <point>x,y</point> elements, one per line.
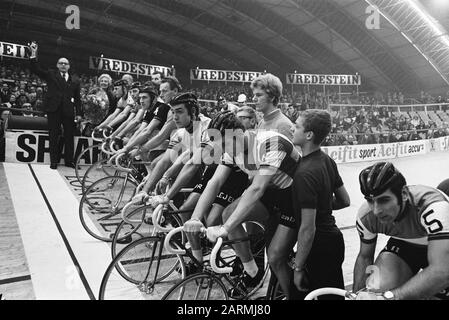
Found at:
<point>64,76</point>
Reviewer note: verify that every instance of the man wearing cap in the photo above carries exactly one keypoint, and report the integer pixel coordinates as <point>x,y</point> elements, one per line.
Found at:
<point>224,105</point>
<point>62,102</point>
<point>241,100</point>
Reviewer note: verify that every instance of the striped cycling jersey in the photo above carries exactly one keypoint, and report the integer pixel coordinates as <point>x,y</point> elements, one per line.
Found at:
<point>183,139</point>
<point>425,218</point>
<point>268,153</point>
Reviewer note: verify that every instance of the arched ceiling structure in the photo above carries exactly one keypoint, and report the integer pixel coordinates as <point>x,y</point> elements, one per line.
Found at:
<point>409,52</point>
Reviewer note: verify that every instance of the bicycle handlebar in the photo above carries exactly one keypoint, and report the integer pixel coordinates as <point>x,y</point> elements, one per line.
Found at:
<point>335,291</point>
<point>103,148</point>
<point>117,163</point>
<point>95,138</point>
<point>213,258</point>
<point>124,216</point>
<point>157,214</point>
<point>168,237</point>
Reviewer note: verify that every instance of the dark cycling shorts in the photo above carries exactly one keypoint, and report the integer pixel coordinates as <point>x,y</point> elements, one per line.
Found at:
<point>231,190</point>
<point>280,199</point>
<point>414,255</point>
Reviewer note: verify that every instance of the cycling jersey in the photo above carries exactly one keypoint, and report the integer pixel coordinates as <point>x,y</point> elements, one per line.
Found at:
<point>267,150</point>
<point>425,218</point>
<point>158,111</point>
<point>190,138</point>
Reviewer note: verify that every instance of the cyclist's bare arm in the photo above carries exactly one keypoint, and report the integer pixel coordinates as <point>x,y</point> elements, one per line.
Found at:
<point>341,199</point>
<point>142,126</point>
<point>123,125</point>
<point>121,116</point>
<point>186,174</point>
<point>109,119</point>
<point>143,136</point>
<point>249,198</point>
<point>210,192</point>
<point>364,259</point>
<point>177,165</point>
<point>131,125</point>
<point>432,279</point>
<point>163,135</point>
<point>156,174</point>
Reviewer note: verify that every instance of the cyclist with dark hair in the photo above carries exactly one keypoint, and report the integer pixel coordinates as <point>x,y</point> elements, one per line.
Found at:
<point>185,110</point>
<point>122,110</point>
<point>444,186</point>
<point>146,98</point>
<point>416,217</point>
<point>269,159</point>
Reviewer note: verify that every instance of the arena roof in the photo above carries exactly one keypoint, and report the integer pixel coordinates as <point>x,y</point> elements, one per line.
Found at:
<point>409,51</point>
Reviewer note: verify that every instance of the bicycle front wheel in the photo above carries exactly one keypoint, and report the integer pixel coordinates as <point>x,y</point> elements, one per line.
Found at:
<point>142,270</point>
<point>97,171</point>
<point>86,158</point>
<point>101,205</point>
<point>200,286</point>
<point>142,226</point>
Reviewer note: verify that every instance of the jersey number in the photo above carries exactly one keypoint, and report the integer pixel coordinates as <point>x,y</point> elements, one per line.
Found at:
<point>434,225</point>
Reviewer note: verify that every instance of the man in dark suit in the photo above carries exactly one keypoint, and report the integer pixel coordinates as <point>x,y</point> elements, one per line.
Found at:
<point>62,103</point>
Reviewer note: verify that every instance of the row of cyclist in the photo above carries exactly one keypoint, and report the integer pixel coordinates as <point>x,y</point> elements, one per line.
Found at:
<point>266,188</point>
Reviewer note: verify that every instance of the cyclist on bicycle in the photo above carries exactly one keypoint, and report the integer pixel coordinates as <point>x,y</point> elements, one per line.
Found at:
<point>158,140</point>
<point>444,186</point>
<point>133,116</point>
<point>147,98</point>
<point>121,111</point>
<point>416,217</point>
<point>185,114</point>
<point>269,159</point>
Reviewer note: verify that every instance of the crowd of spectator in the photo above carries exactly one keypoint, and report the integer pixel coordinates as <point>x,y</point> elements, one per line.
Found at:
<point>20,89</point>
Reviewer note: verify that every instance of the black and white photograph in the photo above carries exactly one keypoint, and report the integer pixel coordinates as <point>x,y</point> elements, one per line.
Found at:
<point>234,151</point>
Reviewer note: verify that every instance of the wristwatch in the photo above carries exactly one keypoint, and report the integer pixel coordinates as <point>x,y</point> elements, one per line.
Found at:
<point>388,295</point>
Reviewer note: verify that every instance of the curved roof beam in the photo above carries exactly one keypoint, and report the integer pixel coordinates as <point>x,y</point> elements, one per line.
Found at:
<point>420,30</point>
<point>119,46</point>
<point>369,47</point>
<point>329,61</point>
<point>124,31</point>
<point>142,20</point>
<point>274,58</point>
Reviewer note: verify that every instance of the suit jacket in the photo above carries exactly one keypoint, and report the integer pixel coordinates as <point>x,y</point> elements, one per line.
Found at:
<point>60,94</point>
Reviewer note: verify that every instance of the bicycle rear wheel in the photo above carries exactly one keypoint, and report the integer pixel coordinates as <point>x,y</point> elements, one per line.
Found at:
<point>274,291</point>
<point>200,286</point>
<point>142,270</point>
<point>101,205</point>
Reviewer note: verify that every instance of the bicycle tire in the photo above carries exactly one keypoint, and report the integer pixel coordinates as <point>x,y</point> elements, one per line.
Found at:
<point>101,204</point>
<point>126,276</point>
<point>97,171</point>
<point>127,232</point>
<point>274,290</point>
<point>81,169</point>
<point>192,287</point>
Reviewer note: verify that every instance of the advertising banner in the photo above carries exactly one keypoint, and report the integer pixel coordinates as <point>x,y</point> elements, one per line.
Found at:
<point>114,65</point>
<point>223,75</point>
<point>324,79</point>
<point>34,147</point>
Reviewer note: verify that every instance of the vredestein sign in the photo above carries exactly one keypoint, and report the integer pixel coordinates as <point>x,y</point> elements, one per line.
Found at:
<point>223,75</point>
<point>115,65</point>
<point>324,79</point>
